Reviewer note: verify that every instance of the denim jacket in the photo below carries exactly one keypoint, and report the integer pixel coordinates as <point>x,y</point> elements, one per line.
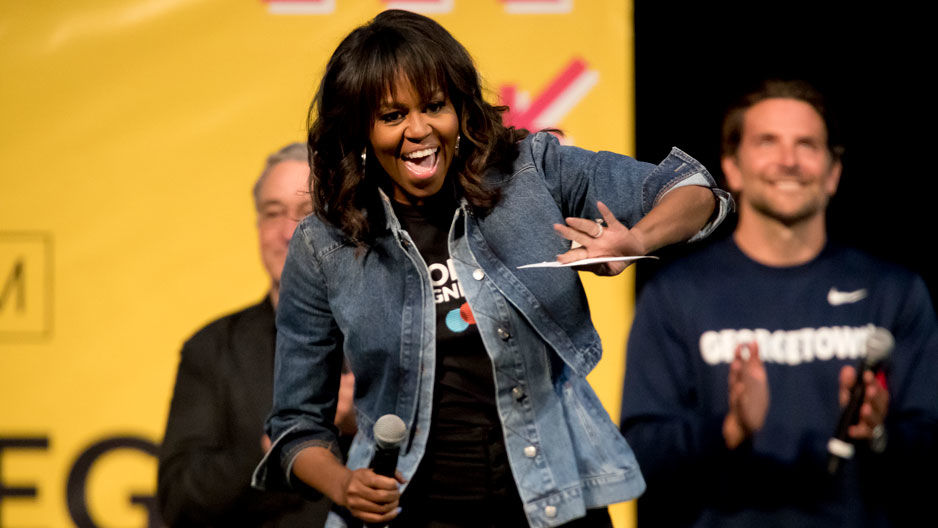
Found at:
<point>376,306</point>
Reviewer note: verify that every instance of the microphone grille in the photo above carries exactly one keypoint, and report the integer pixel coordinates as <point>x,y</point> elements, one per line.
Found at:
<point>389,430</point>
<point>878,345</point>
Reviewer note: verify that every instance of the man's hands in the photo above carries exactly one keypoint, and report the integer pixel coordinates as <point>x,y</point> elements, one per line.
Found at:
<point>748,396</point>
<point>595,240</point>
<point>875,402</point>
<point>749,399</point>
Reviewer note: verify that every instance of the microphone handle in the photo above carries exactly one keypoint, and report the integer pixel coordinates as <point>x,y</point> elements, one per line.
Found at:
<point>851,413</point>
<point>849,416</point>
<point>384,462</point>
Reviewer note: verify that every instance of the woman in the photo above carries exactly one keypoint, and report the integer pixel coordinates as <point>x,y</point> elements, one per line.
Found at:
<point>415,182</point>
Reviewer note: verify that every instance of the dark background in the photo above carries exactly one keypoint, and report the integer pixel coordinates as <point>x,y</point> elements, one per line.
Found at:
<point>692,59</point>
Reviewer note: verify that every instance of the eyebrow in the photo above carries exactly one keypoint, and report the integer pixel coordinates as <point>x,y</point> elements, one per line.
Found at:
<point>267,203</point>
<point>391,102</point>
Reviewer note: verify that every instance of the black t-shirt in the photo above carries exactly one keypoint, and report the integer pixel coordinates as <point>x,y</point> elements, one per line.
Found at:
<point>464,394</point>
<point>465,458</point>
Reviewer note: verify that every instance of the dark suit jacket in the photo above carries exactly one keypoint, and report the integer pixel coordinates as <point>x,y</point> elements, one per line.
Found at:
<point>213,436</point>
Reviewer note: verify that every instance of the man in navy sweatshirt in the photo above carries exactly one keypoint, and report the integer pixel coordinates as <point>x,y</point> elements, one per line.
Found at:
<point>742,355</point>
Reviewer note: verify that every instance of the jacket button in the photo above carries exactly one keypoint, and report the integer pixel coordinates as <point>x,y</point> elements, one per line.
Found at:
<point>478,274</point>
<point>550,511</point>
<point>502,333</point>
<point>530,451</point>
<point>517,393</point>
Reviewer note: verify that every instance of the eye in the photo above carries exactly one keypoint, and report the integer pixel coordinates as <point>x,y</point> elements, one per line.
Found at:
<point>436,106</point>
<point>809,144</point>
<point>391,117</point>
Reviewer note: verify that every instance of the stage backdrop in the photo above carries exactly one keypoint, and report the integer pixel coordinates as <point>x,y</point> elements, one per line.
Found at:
<point>131,132</point>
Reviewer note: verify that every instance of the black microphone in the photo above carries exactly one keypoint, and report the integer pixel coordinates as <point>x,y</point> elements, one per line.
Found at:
<point>878,347</point>
<point>389,432</point>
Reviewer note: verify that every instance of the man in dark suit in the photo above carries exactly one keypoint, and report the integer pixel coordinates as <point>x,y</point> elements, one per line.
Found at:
<point>214,435</point>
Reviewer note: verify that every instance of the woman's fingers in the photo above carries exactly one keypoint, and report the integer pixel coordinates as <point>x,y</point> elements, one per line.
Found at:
<point>587,227</point>
<point>608,217</point>
<point>573,234</point>
<point>372,497</point>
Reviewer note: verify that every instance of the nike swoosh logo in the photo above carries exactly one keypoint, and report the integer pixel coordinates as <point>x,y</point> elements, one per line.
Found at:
<point>836,297</point>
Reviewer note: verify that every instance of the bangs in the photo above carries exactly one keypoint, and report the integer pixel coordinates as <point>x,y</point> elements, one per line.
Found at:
<point>394,58</point>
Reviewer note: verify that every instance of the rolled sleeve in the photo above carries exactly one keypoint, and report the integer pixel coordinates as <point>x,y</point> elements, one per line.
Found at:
<point>578,178</point>
<point>689,171</point>
<point>307,368</point>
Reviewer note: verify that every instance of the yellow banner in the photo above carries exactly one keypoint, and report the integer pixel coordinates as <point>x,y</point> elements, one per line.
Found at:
<point>132,131</point>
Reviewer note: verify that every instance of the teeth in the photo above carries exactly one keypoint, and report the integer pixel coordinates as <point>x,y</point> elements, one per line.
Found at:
<point>419,153</point>
<point>788,185</point>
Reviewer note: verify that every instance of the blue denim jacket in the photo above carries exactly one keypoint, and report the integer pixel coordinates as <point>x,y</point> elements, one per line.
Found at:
<point>377,308</point>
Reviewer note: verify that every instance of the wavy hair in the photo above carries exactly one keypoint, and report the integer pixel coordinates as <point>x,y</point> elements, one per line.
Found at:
<point>359,75</point>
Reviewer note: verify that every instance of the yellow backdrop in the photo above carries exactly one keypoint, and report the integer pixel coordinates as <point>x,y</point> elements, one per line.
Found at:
<point>130,134</point>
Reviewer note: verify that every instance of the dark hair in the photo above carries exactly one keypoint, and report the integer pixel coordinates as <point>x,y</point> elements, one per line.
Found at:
<point>779,89</point>
<point>359,75</point>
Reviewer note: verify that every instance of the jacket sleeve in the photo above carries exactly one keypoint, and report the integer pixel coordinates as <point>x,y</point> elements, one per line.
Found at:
<point>307,368</point>
<point>578,178</point>
<point>202,474</point>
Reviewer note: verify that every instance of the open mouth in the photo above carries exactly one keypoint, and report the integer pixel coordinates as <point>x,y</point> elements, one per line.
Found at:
<point>422,163</point>
<point>788,185</point>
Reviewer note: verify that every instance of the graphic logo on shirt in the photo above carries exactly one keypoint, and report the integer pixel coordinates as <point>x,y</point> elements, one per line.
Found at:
<point>445,284</point>
<point>446,288</point>
<point>788,347</point>
<point>460,319</point>
<point>836,297</point>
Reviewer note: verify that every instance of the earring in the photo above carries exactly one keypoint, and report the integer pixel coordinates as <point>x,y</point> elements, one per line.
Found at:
<point>456,150</point>
<point>364,157</point>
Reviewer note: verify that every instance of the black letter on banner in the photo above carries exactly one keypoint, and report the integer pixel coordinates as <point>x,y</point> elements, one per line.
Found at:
<point>78,476</point>
<point>15,280</point>
<point>23,442</point>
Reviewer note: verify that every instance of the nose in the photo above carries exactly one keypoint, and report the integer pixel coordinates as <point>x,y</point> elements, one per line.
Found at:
<point>289,226</point>
<point>417,127</point>
<point>787,156</point>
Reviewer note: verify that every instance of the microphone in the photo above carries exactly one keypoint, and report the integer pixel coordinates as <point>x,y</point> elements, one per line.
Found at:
<point>878,348</point>
<point>389,432</point>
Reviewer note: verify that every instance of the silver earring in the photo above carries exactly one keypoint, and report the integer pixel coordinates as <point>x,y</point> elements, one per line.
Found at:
<point>456,150</point>
<point>364,157</point>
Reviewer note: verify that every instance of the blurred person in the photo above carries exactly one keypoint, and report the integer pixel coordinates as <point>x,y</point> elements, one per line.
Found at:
<point>214,434</point>
<point>741,356</point>
<point>426,204</point>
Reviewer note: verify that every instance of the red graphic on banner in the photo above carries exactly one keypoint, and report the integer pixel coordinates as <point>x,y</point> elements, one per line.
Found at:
<point>554,103</point>
<point>300,7</point>
<point>527,7</point>
<point>421,6</point>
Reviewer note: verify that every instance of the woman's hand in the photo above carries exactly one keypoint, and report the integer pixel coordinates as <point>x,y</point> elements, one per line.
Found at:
<point>592,239</point>
<point>367,495</point>
<point>371,497</point>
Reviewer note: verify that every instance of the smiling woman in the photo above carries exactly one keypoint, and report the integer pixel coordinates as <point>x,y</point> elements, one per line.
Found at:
<point>415,141</point>
<point>425,205</point>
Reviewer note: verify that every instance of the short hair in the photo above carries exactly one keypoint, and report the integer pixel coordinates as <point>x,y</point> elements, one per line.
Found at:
<point>779,89</point>
<point>291,152</point>
<point>362,70</point>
